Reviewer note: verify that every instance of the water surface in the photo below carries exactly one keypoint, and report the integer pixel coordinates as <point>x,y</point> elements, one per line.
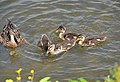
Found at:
<point>36,17</point>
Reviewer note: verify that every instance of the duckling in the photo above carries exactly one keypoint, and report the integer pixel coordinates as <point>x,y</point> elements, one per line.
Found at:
<point>55,49</point>
<point>66,36</point>
<point>91,41</point>
<point>44,42</point>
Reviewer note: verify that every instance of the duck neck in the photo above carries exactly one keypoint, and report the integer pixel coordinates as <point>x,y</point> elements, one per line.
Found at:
<point>61,35</point>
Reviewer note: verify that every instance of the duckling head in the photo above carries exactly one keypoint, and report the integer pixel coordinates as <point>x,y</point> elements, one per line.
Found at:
<point>61,29</point>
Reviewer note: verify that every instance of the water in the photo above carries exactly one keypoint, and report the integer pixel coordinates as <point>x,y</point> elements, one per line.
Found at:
<point>35,17</point>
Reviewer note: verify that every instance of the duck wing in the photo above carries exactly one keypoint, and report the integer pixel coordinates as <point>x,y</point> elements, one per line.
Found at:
<point>65,45</point>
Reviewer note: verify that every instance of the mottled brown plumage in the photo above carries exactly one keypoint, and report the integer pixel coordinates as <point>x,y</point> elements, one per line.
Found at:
<point>92,41</point>
<point>66,36</point>
<point>10,36</point>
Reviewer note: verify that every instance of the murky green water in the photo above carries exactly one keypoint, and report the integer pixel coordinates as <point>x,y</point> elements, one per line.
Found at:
<point>35,17</point>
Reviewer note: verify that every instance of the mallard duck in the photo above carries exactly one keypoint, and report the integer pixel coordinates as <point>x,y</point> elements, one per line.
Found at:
<point>44,42</point>
<point>59,48</point>
<point>10,36</point>
<point>66,36</point>
<point>9,40</point>
<point>91,41</point>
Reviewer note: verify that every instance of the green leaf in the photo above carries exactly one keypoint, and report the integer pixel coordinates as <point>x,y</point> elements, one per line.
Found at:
<point>73,81</point>
<point>111,71</point>
<point>56,81</point>
<point>82,80</point>
<point>98,81</point>
<point>45,79</point>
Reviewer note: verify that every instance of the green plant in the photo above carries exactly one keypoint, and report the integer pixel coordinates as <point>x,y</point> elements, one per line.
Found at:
<point>79,80</point>
<point>115,75</point>
<point>45,79</point>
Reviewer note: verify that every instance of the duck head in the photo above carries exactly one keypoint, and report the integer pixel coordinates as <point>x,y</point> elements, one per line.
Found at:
<point>9,26</point>
<point>61,29</point>
<point>44,42</point>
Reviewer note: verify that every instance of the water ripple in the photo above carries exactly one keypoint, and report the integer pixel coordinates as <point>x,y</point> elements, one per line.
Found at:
<point>91,17</point>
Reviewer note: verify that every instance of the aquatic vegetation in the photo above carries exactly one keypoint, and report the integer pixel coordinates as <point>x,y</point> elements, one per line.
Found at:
<point>46,79</point>
<point>113,77</point>
<point>79,80</point>
<point>31,77</point>
<point>18,78</point>
<point>9,80</point>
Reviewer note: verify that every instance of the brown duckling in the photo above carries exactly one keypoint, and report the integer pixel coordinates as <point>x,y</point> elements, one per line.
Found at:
<point>91,41</point>
<point>59,48</point>
<point>66,36</point>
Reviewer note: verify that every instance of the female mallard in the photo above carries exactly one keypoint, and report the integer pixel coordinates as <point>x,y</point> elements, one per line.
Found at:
<point>10,36</point>
<point>66,36</point>
<point>10,40</point>
<point>59,48</point>
<point>44,42</point>
<point>91,41</point>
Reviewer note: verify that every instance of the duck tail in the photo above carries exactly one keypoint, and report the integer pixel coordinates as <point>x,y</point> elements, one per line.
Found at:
<point>9,21</point>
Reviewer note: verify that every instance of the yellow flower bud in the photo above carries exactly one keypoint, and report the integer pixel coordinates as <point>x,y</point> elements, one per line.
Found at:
<point>9,80</point>
<point>32,71</point>
<point>29,77</point>
<point>19,70</point>
<point>18,78</point>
